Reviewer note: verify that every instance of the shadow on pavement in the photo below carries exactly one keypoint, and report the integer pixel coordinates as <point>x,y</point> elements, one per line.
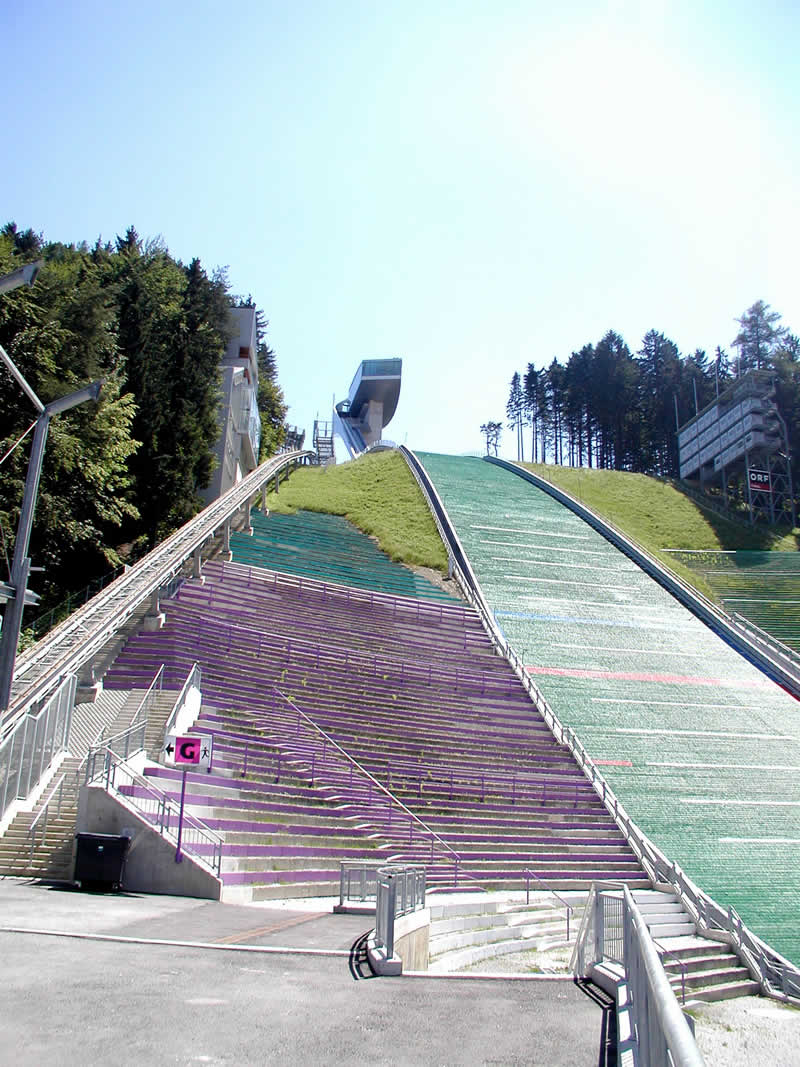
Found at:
<point>359,964</point>
<point>608,1031</point>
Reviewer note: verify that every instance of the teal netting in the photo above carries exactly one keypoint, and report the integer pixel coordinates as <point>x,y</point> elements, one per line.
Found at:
<point>701,748</point>
<point>329,548</point>
<point>762,586</point>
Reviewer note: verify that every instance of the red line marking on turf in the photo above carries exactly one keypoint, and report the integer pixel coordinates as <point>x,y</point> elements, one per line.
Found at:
<point>642,676</point>
<point>612,763</point>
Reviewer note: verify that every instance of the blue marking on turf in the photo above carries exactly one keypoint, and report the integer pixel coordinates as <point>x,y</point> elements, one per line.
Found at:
<point>568,618</point>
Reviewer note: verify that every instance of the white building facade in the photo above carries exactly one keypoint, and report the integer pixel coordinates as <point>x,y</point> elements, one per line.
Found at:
<point>240,423</point>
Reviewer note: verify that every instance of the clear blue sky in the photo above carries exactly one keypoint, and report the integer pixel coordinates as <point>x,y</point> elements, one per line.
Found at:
<point>471,186</point>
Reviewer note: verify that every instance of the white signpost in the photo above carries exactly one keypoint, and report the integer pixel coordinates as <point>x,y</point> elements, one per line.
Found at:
<point>187,750</point>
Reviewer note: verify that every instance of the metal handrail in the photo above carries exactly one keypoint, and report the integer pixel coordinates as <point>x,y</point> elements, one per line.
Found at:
<point>43,811</point>
<point>777,976</point>
<point>362,770</point>
<point>86,631</point>
<point>532,874</point>
<point>167,811</point>
<point>193,679</point>
<point>155,686</point>
<point>662,1032</point>
<point>664,951</point>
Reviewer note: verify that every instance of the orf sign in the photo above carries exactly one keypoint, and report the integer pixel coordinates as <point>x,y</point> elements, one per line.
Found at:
<point>759,480</point>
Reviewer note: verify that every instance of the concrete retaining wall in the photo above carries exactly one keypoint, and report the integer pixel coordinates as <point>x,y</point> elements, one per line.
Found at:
<point>150,865</point>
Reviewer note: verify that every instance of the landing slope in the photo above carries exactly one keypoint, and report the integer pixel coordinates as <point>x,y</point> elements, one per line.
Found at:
<point>701,748</point>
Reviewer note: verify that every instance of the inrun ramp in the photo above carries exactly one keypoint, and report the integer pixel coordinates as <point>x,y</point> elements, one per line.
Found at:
<point>701,748</point>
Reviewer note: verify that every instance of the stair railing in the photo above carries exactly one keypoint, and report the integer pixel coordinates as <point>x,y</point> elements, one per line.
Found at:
<point>42,815</point>
<point>435,838</point>
<point>664,951</point>
<point>193,681</point>
<point>158,809</point>
<point>532,874</point>
<point>613,930</point>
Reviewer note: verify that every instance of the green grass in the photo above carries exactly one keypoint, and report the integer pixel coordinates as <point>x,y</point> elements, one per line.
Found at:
<point>656,515</point>
<point>379,495</point>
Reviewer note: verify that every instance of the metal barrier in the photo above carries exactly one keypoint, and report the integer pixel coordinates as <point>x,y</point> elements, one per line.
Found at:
<point>614,931</point>
<point>35,741</point>
<point>193,681</point>
<point>777,976</point>
<point>42,817</point>
<point>75,641</point>
<point>400,890</point>
<point>532,874</point>
<point>160,811</point>
<point>358,881</point>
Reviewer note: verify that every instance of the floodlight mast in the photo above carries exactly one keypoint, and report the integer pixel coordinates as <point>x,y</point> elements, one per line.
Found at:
<point>21,564</point>
<point>22,276</point>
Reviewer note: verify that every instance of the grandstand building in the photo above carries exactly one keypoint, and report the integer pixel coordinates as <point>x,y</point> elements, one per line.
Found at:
<point>740,439</point>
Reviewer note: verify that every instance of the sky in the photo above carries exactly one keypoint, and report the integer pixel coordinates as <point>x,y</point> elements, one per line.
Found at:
<point>471,186</point>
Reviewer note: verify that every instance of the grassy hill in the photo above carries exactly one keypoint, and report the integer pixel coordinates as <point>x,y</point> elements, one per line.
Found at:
<point>379,495</point>
<point>659,517</point>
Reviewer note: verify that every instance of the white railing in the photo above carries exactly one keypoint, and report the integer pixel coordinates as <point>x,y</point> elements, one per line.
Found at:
<point>28,750</point>
<point>400,890</point>
<point>40,822</point>
<point>193,681</point>
<point>777,976</point>
<point>614,931</point>
<point>159,810</point>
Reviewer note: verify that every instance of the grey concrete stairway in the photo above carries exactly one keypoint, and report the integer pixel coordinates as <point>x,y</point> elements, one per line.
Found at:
<point>467,931</point>
<point>708,968</point>
<point>52,856</point>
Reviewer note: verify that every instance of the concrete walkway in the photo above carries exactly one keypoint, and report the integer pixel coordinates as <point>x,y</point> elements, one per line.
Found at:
<point>133,978</point>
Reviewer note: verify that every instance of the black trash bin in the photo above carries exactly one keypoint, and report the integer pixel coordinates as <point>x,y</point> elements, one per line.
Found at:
<point>100,860</point>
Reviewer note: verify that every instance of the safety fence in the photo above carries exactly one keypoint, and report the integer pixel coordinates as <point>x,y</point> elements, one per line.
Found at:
<point>400,890</point>
<point>651,1023</point>
<point>31,746</point>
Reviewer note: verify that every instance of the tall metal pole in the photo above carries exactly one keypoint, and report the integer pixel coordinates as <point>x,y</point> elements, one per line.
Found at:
<point>21,564</point>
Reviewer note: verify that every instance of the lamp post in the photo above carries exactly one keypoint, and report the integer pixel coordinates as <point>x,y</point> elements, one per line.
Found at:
<point>21,564</point>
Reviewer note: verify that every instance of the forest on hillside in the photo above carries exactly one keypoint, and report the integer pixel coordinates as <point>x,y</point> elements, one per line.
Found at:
<point>121,474</point>
<point>611,408</point>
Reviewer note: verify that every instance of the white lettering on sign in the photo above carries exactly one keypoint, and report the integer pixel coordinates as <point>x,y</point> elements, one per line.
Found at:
<point>759,480</point>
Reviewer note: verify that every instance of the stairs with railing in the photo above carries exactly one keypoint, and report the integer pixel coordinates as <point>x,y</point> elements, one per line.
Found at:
<point>47,852</point>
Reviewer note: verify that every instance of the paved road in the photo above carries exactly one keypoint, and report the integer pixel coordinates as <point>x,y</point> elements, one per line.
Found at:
<point>67,999</point>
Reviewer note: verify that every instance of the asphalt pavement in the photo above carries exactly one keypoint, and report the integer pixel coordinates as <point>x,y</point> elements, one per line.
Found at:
<point>132,978</point>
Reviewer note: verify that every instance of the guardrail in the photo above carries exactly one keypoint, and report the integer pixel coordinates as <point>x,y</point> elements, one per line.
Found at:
<point>80,637</point>
<point>42,816</point>
<point>614,931</point>
<point>161,812</point>
<point>400,890</point>
<point>34,742</point>
<point>777,976</point>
